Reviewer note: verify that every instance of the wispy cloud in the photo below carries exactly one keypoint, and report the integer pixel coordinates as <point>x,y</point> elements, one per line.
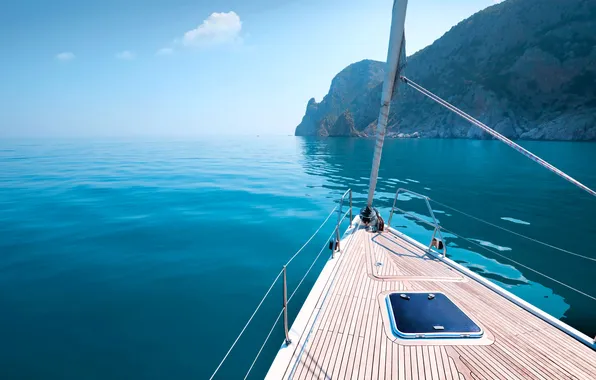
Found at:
<point>126,55</point>
<point>165,51</point>
<point>218,28</point>
<point>65,56</point>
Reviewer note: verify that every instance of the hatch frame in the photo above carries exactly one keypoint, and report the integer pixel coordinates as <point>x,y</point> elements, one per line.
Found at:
<point>455,336</point>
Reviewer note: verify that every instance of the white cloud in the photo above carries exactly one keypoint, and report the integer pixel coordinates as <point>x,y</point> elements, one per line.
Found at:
<point>165,51</point>
<point>218,28</point>
<point>126,55</point>
<point>65,56</point>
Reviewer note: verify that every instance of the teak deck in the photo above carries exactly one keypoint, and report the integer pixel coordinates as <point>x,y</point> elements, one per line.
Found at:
<point>346,334</point>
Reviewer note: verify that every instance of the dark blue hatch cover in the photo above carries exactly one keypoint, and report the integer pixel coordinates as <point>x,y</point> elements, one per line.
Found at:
<point>429,315</point>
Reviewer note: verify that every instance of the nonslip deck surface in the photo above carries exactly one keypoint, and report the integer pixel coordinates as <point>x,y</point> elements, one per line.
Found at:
<point>347,338</point>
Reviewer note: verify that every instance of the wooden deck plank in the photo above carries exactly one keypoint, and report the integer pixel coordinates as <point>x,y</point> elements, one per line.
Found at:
<point>507,361</point>
<point>349,339</point>
<point>319,372</point>
<point>383,364</point>
<point>307,363</point>
<point>342,369</point>
<point>355,370</point>
<point>440,366</point>
<point>485,356</point>
<point>408,362</point>
<point>525,361</point>
<point>556,363</point>
<point>372,343</point>
<point>401,371</point>
<point>318,355</point>
<point>446,364</point>
<point>477,365</point>
<point>347,329</point>
<point>420,363</point>
<point>394,365</point>
<point>365,333</point>
<point>430,354</point>
<point>331,355</point>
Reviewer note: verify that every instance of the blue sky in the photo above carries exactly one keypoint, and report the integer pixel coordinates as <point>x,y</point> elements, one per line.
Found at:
<point>72,68</point>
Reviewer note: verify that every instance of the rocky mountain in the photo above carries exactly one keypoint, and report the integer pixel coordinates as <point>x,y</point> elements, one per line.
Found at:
<point>351,88</point>
<point>526,68</point>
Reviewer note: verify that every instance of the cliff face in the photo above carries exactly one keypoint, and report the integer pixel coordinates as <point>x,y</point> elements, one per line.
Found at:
<point>349,90</point>
<point>526,68</point>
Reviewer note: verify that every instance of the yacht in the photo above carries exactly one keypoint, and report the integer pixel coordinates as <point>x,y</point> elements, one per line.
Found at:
<point>386,306</point>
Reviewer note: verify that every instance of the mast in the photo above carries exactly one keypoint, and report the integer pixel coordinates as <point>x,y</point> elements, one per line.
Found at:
<point>396,44</point>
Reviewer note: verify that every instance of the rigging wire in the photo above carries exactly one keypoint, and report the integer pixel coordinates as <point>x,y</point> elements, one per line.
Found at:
<point>513,232</point>
<point>497,135</point>
<point>520,264</point>
<point>333,277</point>
<point>289,299</point>
<point>312,236</point>
<point>311,266</point>
<point>264,343</point>
<point>269,291</point>
<point>314,261</point>
<point>246,325</point>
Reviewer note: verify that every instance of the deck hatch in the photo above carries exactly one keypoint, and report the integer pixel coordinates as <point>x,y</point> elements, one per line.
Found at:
<point>428,315</point>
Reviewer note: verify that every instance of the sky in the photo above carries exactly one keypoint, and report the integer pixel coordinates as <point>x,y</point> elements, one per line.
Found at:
<point>71,68</point>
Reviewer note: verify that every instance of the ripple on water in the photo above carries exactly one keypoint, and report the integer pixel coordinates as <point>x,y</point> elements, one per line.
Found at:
<point>516,221</point>
<point>408,196</point>
<point>395,180</point>
<point>491,245</point>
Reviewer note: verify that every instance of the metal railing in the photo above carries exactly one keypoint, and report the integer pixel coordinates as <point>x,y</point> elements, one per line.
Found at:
<point>341,218</point>
<point>434,223</point>
<point>285,306</point>
<point>334,244</point>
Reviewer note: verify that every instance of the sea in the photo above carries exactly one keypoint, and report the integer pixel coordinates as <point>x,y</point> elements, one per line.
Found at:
<point>144,258</point>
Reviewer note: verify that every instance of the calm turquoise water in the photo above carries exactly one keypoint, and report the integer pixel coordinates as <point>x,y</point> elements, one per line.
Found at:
<point>136,259</point>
